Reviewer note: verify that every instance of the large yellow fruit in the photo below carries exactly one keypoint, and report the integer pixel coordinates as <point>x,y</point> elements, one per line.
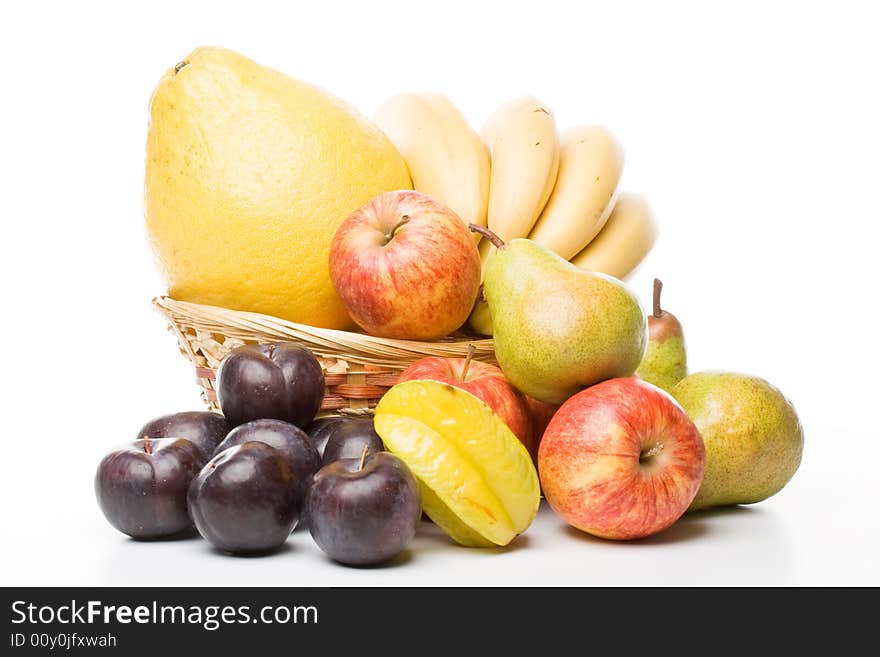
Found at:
<point>249,173</point>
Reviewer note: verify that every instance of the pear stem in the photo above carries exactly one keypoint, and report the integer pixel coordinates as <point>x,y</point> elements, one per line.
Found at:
<point>497,242</point>
<point>363,458</point>
<point>148,447</point>
<point>658,287</point>
<point>403,221</point>
<point>467,361</point>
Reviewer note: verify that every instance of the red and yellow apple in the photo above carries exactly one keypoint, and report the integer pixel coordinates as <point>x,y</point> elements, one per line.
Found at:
<point>405,266</point>
<point>540,414</point>
<point>485,381</point>
<point>621,460</point>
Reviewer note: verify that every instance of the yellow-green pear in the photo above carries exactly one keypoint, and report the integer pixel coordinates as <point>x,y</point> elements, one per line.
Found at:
<point>559,328</point>
<point>665,361</point>
<point>752,435</point>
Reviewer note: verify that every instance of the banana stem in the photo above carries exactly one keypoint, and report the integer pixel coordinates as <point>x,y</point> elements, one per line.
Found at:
<point>497,242</point>
<point>658,287</point>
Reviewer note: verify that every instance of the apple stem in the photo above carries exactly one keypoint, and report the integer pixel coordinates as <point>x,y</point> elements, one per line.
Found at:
<point>651,452</point>
<point>179,66</point>
<point>497,242</point>
<point>467,361</point>
<point>403,221</point>
<point>658,287</point>
<point>363,458</point>
<point>148,447</point>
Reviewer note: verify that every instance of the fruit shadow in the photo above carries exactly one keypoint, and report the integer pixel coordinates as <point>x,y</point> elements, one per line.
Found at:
<point>689,527</point>
<point>435,539</point>
<point>400,560</point>
<point>283,549</point>
<point>721,511</point>
<point>686,529</point>
<point>189,534</point>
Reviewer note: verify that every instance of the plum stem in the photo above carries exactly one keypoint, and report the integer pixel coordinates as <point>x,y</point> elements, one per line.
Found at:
<point>148,447</point>
<point>658,287</point>
<point>467,361</point>
<point>403,221</point>
<point>497,242</point>
<point>363,457</point>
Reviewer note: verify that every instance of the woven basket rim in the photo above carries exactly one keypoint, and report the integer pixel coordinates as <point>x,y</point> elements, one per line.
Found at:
<point>325,340</point>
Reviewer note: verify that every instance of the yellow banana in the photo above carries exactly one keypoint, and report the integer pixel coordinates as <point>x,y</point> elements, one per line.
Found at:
<point>590,165</point>
<point>624,241</point>
<point>486,249</point>
<point>522,141</point>
<point>446,158</point>
<point>480,319</point>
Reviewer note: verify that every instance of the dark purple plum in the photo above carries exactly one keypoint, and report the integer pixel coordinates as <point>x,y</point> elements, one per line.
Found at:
<point>142,487</point>
<point>302,458</point>
<point>321,429</point>
<point>349,439</point>
<point>203,428</point>
<point>282,382</point>
<point>364,511</point>
<point>245,500</point>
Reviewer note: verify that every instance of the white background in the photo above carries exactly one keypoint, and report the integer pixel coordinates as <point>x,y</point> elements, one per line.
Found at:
<point>752,130</point>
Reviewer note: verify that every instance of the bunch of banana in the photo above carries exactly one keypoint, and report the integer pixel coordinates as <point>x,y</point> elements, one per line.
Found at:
<point>446,158</point>
<point>521,178</point>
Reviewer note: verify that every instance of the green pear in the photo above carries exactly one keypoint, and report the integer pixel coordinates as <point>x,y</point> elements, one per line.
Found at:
<point>665,361</point>
<point>752,435</point>
<point>559,328</point>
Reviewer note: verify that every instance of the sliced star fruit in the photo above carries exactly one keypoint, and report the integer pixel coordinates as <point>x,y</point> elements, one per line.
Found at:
<point>478,481</point>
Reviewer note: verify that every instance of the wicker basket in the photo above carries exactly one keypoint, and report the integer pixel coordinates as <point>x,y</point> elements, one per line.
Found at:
<point>358,368</point>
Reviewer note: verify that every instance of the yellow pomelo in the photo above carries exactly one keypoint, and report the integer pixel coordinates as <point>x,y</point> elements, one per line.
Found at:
<point>478,481</point>
<point>249,173</point>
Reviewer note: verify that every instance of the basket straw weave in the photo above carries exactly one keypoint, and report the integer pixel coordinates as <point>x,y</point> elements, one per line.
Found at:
<point>358,368</point>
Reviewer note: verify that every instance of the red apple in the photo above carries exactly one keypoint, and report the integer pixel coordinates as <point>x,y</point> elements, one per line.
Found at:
<point>405,266</point>
<point>540,414</point>
<point>484,381</point>
<point>621,460</point>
